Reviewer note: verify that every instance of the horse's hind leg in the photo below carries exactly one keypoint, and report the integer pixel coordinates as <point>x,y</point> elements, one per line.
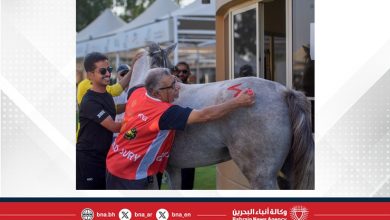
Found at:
<point>260,174</point>
<point>174,177</point>
<point>259,165</point>
<point>268,182</point>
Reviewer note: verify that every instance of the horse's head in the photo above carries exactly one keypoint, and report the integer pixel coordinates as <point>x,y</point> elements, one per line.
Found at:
<point>159,56</point>
<point>152,58</point>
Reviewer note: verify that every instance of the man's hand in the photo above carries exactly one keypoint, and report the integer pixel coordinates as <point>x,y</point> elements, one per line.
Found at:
<point>245,98</point>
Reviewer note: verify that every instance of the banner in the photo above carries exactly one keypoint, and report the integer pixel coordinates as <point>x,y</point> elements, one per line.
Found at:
<point>163,210</point>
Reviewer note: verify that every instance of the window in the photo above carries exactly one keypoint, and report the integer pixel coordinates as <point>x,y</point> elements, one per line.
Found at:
<point>258,39</point>
<point>262,44</point>
<point>245,38</point>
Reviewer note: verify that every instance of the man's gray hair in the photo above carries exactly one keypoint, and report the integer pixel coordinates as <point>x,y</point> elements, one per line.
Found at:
<point>152,82</point>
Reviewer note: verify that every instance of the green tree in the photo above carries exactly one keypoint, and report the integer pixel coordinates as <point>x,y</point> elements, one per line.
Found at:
<point>88,10</point>
<point>133,8</point>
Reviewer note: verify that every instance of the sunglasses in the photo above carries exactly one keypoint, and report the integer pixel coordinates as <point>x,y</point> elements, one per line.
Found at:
<point>103,71</point>
<point>123,73</point>
<point>179,71</point>
<point>182,71</point>
<point>172,86</point>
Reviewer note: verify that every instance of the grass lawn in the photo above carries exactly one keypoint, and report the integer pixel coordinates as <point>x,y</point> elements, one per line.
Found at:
<point>204,178</point>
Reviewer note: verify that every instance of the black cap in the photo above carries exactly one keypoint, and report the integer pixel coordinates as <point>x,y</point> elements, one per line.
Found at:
<point>122,68</point>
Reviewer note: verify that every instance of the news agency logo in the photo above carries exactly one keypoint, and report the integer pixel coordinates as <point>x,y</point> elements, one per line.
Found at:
<point>299,213</point>
<point>87,214</point>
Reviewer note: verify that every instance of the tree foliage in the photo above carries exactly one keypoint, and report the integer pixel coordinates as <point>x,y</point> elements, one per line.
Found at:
<point>88,10</point>
<point>133,8</point>
<point>244,29</point>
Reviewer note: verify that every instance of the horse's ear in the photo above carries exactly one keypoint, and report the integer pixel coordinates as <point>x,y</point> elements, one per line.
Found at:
<point>170,48</point>
<point>152,46</point>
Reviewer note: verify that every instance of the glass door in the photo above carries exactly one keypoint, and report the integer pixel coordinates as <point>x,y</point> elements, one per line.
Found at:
<point>244,38</point>
<point>258,41</point>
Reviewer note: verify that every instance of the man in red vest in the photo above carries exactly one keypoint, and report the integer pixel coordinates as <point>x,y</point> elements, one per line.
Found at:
<point>142,147</point>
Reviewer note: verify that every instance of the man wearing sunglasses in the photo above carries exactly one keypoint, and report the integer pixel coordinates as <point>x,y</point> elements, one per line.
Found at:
<point>97,113</point>
<point>182,71</point>
<point>114,90</point>
<point>142,148</point>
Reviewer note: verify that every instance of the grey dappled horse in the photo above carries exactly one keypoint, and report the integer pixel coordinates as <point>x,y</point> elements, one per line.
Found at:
<point>272,135</point>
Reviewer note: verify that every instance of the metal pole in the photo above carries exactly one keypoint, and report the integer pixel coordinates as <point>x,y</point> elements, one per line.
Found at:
<point>197,64</point>
<point>117,60</point>
<point>175,40</point>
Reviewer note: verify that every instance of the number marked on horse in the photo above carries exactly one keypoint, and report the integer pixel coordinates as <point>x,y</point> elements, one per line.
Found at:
<point>234,88</point>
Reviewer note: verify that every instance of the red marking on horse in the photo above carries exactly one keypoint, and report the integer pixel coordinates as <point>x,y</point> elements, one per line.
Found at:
<point>235,89</point>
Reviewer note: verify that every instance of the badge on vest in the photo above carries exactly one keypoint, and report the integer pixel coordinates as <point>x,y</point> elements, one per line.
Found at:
<point>131,134</point>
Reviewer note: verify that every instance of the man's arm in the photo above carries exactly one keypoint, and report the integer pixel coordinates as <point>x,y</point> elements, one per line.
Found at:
<point>111,125</point>
<point>124,82</point>
<point>120,108</point>
<point>217,111</point>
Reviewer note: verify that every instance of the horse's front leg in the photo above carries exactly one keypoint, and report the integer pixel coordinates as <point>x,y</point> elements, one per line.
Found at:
<point>174,177</point>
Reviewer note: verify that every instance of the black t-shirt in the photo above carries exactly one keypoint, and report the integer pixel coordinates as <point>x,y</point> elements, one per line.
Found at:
<point>93,138</point>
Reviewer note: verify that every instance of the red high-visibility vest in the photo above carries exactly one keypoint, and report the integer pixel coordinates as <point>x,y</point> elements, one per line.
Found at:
<point>141,148</point>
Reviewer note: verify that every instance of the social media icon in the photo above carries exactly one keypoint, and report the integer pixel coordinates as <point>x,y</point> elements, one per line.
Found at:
<point>162,214</point>
<point>87,214</point>
<point>124,214</point>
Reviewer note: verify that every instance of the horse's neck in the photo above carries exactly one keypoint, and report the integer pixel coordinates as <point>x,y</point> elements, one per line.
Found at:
<point>140,69</point>
<point>192,95</point>
<point>136,81</point>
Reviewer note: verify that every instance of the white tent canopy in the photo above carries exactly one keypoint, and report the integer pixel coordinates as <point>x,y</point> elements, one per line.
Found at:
<point>158,9</point>
<point>146,27</point>
<point>105,22</point>
<point>196,9</point>
<point>162,22</point>
<point>193,26</point>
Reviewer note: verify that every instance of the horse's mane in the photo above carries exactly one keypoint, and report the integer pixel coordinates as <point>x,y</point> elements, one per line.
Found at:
<point>140,67</point>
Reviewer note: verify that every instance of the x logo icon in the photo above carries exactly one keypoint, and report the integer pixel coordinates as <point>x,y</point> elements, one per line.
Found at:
<point>124,214</point>
<point>162,214</point>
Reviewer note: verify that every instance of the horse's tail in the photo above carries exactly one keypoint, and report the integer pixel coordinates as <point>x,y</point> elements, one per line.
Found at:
<point>301,155</point>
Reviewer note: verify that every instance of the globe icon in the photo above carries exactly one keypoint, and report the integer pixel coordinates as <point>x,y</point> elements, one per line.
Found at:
<point>87,214</point>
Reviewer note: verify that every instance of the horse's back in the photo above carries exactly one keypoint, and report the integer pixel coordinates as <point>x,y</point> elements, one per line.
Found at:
<point>260,129</point>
